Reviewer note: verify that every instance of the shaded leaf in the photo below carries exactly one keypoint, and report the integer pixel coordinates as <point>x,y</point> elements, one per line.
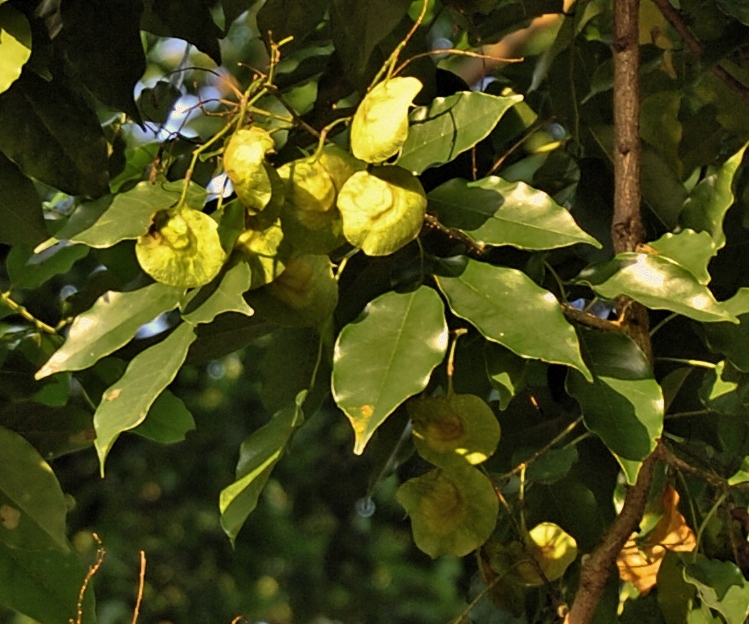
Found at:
<point>722,587</point>
<point>735,8</point>
<point>724,390</point>
<point>660,125</point>
<point>109,324</point>
<point>156,103</point>
<point>507,307</point>
<point>15,45</point>
<point>225,296</point>
<point>506,372</point>
<point>656,282</point>
<point>452,512</point>
<point>280,19</point>
<point>449,126</point>
<point>21,216</point>
<point>493,211</point>
<point>168,420</point>
<point>728,338</point>
<point>386,356</point>
<point>52,135</point>
<point>690,249</point>
<point>553,465</point>
<point>125,404</point>
<point>190,20</point>
<point>257,456</point>
<point>28,270</point>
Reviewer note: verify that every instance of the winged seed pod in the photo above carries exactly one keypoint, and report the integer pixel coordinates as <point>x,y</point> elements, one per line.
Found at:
<point>244,163</point>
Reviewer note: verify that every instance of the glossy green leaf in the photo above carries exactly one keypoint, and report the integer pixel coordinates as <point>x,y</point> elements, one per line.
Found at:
<point>21,216</point>
<point>182,249</point>
<point>386,356</point>
<point>728,338</point>
<point>507,307</point>
<point>453,429</point>
<point>722,587</point>
<point>382,209</point>
<point>380,125</point>
<point>28,270</point>
<point>225,296</point>
<point>707,204</point>
<point>125,216</point>
<point>109,324</point>
<point>452,512</point>
<point>168,420</point>
<point>50,133</point>
<point>32,505</point>
<point>506,372</point>
<point>493,211</point>
<point>125,404</point>
<point>257,456</point>
<point>656,282</point>
<point>451,125</point>
<point>15,45</point>
<point>624,404</point>
<point>692,250</point>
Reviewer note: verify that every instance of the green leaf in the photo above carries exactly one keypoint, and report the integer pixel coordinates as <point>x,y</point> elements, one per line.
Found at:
<point>15,45</point>
<point>724,390</point>
<point>506,372</point>
<point>380,125</point>
<point>190,20</point>
<point>675,595</point>
<point>32,505</point>
<point>660,125</point>
<point>553,465</point>
<point>624,404</point>
<point>108,325</point>
<point>28,270</point>
<point>125,404</point>
<point>21,216</point>
<point>50,133</point>
<point>656,282</point>
<point>451,429</point>
<point>257,456</point>
<point>493,211</point>
<point>156,104</point>
<point>692,250</point>
<point>449,126</point>
<point>735,8</point>
<point>728,338</point>
<point>386,356</point>
<point>722,587</point>
<point>280,19</point>
<point>168,420</point>
<point>507,307</point>
<point>225,296</point>
<point>382,209</point>
<point>452,512</point>
<point>707,204</point>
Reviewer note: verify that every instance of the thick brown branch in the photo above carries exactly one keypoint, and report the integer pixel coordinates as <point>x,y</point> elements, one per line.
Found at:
<point>674,18</point>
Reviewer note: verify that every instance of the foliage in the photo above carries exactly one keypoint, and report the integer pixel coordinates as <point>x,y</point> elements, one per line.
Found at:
<point>430,265</point>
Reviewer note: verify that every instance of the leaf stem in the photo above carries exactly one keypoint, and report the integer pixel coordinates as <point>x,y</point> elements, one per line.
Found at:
<point>557,279</point>
<point>451,359</point>
<point>708,517</point>
<point>670,317</point>
<point>688,362</point>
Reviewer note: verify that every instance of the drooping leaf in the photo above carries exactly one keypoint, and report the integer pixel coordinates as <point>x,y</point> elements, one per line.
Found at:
<point>493,211</point>
<point>452,512</point>
<point>15,45</point>
<point>21,216</point>
<point>244,163</point>
<point>382,209</point>
<point>453,429</point>
<point>181,249</point>
<point>52,135</point>
<point>32,505</point>
<point>507,307</point>
<point>386,356</point>
<point>721,586</point>
<point>690,249</point>
<point>656,282</point>
<point>257,456</point>
<point>449,126</point>
<point>225,296</point>
<point>624,404</point>
<point>506,372</point>
<point>108,325</point>
<point>706,206</point>
<point>28,270</point>
<point>168,420</point>
<point>125,404</point>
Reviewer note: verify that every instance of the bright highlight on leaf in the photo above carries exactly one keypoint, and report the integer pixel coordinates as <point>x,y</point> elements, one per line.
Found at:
<point>553,551</point>
<point>382,209</point>
<point>244,163</point>
<point>454,429</point>
<point>181,250</point>
<point>452,512</point>
<point>380,125</point>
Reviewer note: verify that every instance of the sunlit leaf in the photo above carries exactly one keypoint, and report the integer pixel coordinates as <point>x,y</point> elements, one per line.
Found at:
<point>656,282</point>
<point>690,249</point>
<point>15,44</point>
<point>125,404</point>
<point>453,429</point>
<point>452,512</point>
<point>382,209</point>
<point>265,253</point>
<point>244,162</point>
<point>257,456</point>
<point>493,211</point>
<point>507,307</point>
<point>553,550</point>
<point>386,356</point>
<point>380,125</point>
<point>109,324</point>
<point>451,125</point>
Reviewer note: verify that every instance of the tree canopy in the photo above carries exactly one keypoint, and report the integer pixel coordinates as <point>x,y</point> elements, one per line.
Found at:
<point>498,247</point>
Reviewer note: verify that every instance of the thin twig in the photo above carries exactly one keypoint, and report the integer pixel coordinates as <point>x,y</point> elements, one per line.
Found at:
<point>141,584</point>
<point>92,570</point>
<point>17,308</point>
<point>474,249</point>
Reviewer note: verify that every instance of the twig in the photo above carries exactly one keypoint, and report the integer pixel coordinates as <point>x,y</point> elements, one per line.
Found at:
<point>17,308</point>
<point>588,319</point>
<point>674,18</point>
<point>475,249</point>
<point>92,570</point>
<point>141,583</point>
